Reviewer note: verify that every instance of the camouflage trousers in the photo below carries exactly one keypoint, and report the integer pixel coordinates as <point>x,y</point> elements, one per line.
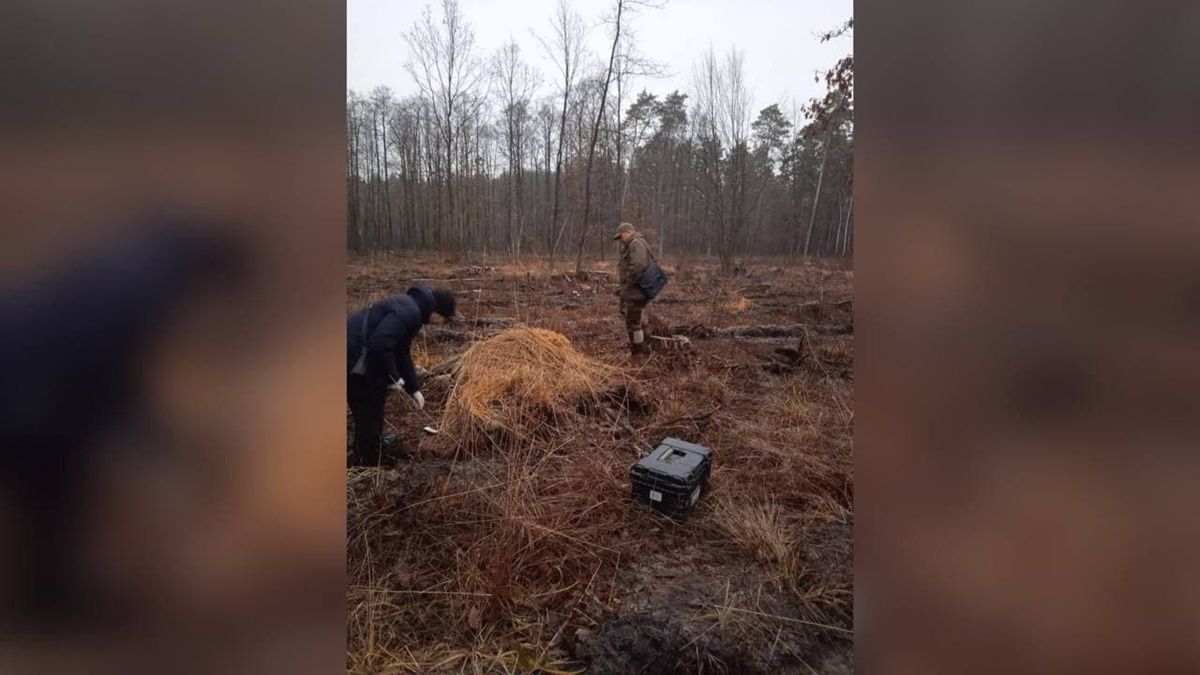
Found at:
<point>633,305</point>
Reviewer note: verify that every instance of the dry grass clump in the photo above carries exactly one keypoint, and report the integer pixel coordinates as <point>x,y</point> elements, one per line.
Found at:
<point>748,618</point>
<point>520,384</point>
<point>815,429</point>
<point>806,403</point>
<point>837,353</point>
<point>759,528</point>
<point>496,558</point>
<point>737,305</point>
<point>800,468</point>
<point>546,527</point>
<point>784,544</point>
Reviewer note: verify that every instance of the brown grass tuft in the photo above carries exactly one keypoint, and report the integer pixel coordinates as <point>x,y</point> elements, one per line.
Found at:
<point>759,528</point>
<point>736,305</point>
<point>478,559</point>
<point>840,354</point>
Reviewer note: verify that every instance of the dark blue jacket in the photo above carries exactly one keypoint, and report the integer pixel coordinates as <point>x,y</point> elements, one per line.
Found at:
<point>71,341</point>
<point>391,327</point>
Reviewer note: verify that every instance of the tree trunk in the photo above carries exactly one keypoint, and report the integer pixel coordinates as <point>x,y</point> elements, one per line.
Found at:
<point>816,195</point>
<point>587,181</point>
<point>562,132</point>
<point>450,177</point>
<point>846,227</point>
<point>387,196</point>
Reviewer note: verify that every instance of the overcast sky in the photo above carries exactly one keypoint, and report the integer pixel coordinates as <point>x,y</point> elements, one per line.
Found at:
<point>778,38</point>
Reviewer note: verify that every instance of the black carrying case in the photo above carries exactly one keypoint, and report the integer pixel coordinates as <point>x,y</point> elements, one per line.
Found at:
<point>672,478</point>
<point>653,280</point>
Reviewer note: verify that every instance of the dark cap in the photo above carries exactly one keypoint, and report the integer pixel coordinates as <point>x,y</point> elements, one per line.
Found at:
<point>621,229</point>
<point>444,304</point>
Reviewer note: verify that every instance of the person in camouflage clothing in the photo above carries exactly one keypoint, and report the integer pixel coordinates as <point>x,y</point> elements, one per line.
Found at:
<point>635,257</point>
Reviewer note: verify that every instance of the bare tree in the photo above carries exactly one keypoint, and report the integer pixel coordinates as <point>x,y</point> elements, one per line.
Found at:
<point>446,70</point>
<point>724,103</point>
<point>812,218</point>
<point>736,104</point>
<point>353,173</point>
<point>630,64</point>
<point>587,176</point>
<point>830,113</point>
<point>516,82</point>
<point>621,7</point>
<point>381,107</point>
<point>707,85</point>
<point>545,126</point>
<point>565,49</point>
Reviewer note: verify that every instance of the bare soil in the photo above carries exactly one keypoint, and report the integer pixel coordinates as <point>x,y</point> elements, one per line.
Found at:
<point>447,575</point>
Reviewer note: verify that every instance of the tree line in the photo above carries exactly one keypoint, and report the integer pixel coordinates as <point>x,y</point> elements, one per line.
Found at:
<point>493,155</point>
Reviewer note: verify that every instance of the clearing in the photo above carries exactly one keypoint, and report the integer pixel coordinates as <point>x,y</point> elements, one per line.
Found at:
<point>530,556</point>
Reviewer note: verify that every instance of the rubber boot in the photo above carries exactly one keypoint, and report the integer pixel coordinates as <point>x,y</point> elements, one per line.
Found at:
<point>638,351</point>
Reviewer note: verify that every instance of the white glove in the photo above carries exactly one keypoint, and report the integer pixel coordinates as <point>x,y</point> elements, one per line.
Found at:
<point>418,400</point>
<point>398,385</point>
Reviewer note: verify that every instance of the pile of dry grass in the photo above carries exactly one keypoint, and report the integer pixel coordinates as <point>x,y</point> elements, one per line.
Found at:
<point>521,384</point>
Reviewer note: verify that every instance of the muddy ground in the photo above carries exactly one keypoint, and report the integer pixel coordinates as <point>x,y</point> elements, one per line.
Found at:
<point>757,579</point>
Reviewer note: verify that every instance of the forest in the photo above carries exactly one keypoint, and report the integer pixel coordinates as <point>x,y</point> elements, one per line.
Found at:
<point>496,155</point>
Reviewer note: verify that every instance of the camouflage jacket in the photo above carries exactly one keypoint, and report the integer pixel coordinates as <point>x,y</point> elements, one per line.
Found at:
<point>635,258</point>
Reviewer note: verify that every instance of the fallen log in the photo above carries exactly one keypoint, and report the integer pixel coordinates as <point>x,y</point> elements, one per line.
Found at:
<point>587,275</point>
<point>672,343</point>
<point>763,331</point>
<point>446,334</point>
<point>758,287</point>
<point>768,331</point>
<point>844,329</point>
<point>429,281</point>
<point>809,310</point>
<point>487,322</point>
<point>467,329</point>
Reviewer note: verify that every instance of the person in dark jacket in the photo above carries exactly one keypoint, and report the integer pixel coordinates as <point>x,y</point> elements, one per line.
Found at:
<point>378,358</point>
<point>72,347</point>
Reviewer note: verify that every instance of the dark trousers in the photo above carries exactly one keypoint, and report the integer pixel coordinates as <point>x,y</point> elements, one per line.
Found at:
<point>366,399</point>
<point>46,587</point>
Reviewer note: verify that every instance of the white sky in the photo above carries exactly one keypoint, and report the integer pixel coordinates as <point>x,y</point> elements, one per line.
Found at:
<point>777,37</point>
